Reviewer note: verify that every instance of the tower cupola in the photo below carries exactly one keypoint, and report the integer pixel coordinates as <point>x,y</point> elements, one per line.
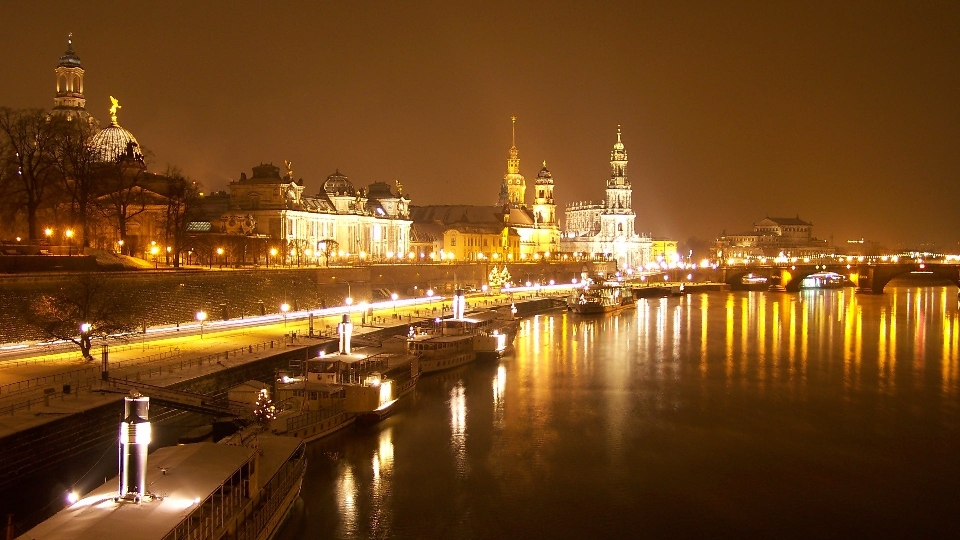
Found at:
<point>514,189</point>
<point>69,100</point>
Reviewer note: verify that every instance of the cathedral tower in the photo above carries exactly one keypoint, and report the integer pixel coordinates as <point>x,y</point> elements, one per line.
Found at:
<point>514,188</point>
<point>544,209</point>
<point>69,101</point>
<point>617,218</point>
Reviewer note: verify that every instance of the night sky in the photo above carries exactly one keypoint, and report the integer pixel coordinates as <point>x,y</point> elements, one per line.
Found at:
<point>846,113</point>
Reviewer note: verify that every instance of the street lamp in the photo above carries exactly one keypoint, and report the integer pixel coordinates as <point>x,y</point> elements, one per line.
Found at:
<point>201,316</point>
<point>220,254</point>
<point>154,250</point>
<point>394,296</point>
<point>85,340</point>
<point>273,253</point>
<point>284,308</point>
<point>69,234</point>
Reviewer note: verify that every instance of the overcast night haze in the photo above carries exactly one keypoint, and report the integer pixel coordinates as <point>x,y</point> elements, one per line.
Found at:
<point>843,113</point>
<point>422,269</point>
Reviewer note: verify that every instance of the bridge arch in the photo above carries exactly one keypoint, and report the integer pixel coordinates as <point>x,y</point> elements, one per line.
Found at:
<point>874,278</point>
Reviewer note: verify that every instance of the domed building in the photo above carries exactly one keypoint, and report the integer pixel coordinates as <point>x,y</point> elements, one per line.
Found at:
<point>338,185</point>
<point>114,142</point>
<point>339,221</point>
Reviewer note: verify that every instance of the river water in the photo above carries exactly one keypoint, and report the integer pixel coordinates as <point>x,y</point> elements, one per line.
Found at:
<point>747,414</point>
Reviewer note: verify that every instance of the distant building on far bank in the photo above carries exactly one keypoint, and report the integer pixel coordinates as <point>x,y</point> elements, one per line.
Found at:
<point>773,237</point>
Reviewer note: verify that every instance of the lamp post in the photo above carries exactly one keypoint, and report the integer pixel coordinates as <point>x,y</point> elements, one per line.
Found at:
<point>273,253</point>
<point>201,316</point>
<point>153,251</point>
<point>69,234</point>
<point>394,296</point>
<point>220,254</point>
<point>85,340</point>
<point>284,308</point>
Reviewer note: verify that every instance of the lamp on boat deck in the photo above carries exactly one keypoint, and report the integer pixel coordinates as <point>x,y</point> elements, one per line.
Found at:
<point>459,304</point>
<point>346,329</point>
<point>134,443</point>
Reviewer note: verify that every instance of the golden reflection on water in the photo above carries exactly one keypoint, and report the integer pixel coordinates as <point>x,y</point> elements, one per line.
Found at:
<point>346,492</point>
<point>767,341</point>
<point>499,389</point>
<point>382,463</point>
<point>458,426</point>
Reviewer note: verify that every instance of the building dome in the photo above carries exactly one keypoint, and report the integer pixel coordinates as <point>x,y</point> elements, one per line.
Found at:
<point>380,190</point>
<point>338,184</point>
<point>70,58</point>
<point>113,142</point>
<point>544,176</point>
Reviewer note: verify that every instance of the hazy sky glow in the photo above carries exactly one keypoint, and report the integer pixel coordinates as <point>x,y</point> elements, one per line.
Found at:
<point>844,113</point>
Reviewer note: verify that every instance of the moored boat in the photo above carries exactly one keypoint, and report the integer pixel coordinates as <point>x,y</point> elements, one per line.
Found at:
<point>494,333</point>
<point>362,384</point>
<point>595,299</point>
<point>242,488</point>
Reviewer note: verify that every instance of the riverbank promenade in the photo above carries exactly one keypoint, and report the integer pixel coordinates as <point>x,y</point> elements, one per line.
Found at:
<point>35,389</point>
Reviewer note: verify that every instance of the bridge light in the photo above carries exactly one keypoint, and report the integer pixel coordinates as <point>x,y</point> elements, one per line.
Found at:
<point>848,267</point>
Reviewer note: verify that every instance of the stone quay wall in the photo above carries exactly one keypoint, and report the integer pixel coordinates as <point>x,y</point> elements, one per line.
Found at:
<point>172,297</point>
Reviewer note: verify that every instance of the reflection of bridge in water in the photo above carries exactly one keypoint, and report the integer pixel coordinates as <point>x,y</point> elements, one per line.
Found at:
<point>869,278</point>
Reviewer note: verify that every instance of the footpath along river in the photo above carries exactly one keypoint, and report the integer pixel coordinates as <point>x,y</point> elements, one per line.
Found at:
<point>821,414</point>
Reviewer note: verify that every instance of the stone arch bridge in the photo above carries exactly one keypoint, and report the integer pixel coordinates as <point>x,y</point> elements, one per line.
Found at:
<point>868,278</point>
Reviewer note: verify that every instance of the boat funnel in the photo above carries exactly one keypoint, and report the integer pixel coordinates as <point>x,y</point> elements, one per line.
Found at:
<point>134,445</point>
<point>345,329</point>
<point>459,304</point>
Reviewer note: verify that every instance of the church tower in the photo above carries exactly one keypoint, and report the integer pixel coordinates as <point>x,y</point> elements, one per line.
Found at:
<point>617,218</point>
<point>514,188</point>
<point>544,209</point>
<point>69,101</point>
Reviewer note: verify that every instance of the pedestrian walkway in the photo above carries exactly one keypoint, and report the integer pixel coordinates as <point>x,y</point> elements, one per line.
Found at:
<point>39,389</point>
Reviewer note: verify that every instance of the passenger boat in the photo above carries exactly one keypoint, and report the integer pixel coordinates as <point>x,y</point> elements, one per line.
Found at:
<point>448,344</point>
<point>240,489</point>
<point>494,333</point>
<point>599,299</point>
<point>453,342</point>
<point>822,280</point>
<point>362,384</point>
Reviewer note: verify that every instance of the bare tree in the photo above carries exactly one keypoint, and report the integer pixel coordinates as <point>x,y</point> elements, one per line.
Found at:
<point>182,195</point>
<point>328,247</point>
<point>124,197</point>
<point>76,161</point>
<point>31,141</point>
<point>84,308</point>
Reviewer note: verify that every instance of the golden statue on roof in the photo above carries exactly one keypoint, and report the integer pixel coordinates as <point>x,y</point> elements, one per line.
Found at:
<point>399,188</point>
<point>113,109</point>
<point>289,166</point>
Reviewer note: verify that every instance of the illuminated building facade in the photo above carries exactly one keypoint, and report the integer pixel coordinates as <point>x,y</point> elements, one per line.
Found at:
<point>339,221</point>
<point>607,228</point>
<point>773,237</point>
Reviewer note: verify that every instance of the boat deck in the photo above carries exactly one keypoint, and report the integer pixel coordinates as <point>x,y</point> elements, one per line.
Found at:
<point>182,477</point>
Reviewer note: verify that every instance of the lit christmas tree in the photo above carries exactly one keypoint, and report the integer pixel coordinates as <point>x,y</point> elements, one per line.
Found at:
<point>264,411</point>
